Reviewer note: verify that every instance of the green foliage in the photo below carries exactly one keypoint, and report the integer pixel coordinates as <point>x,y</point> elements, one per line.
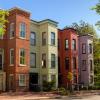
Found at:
<point>48,86</point>
<point>97,9</point>
<point>83,28</point>
<point>63,91</point>
<point>69,76</point>
<point>3,21</point>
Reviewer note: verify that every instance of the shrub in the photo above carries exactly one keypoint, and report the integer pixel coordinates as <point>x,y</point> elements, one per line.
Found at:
<point>48,86</point>
<point>63,91</point>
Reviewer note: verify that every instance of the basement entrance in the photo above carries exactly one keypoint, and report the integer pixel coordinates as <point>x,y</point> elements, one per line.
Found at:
<point>33,82</point>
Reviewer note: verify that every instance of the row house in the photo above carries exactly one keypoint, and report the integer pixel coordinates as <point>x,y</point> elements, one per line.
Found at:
<point>67,56</point>
<point>32,52</point>
<point>43,52</point>
<point>86,66</point>
<point>14,52</point>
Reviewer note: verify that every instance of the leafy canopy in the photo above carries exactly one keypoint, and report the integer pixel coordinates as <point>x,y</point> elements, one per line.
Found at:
<point>3,14</point>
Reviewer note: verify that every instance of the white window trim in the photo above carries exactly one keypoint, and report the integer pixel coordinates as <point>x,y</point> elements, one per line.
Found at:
<point>20,30</point>
<point>20,84</point>
<point>10,57</point>
<point>10,31</point>
<point>19,58</point>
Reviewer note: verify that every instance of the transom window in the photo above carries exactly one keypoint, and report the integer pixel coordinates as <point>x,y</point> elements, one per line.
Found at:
<point>22,56</point>
<point>22,30</point>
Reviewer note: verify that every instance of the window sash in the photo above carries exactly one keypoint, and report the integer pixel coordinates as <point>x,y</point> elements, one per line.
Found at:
<point>22,80</point>
<point>22,30</point>
<point>52,38</point>
<point>33,60</point>
<point>83,48</point>
<point>53,63</point>
<point>11,56</point>
<point>44,38</point>
<point>22,56</point>
<point>12,30</point>
<point>33,38</point>
<point>66,44</point>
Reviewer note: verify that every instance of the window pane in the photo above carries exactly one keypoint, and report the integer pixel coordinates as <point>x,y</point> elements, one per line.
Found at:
<point>52,38</point>
<point>74,44</point>
<point>11,56</point>
<point>44,38</point>
<point>33,38</point>
<point>12,30</point>
<point>22,80</point>
<point>33,60</point>
<point>44,60</point>
<point>22,30</point>
<point>83,48</point>
<point>52,60</point>
<point>67,63</point>
<point>22,56</point>
<point>66,44</point>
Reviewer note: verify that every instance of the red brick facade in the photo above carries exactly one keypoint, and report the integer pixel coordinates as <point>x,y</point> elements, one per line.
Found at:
<point>16,16</point>
<point>70,35</point>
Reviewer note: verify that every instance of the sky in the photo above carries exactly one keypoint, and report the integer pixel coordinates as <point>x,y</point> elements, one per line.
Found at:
<point>65,12</point>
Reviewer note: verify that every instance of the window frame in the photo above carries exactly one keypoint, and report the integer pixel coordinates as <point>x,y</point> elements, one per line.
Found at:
<point>12,29</point>
<point>52,40</point>
<point>83,46</point>
<point>11,64</point>
<point>34,40</point>
<point>53,62</point>
<point>20,30</point>
<point>34,61</point>
<point>24,57</point>
<point>19,81</point>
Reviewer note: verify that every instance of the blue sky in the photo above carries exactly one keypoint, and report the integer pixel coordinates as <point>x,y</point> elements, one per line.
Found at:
<point>63,11</point>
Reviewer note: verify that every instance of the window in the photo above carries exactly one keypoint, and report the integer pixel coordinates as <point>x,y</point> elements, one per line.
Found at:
<point>74,62</point>
<point>22,80</point>
<point>22,30</point>
<point>83,48</point>
<point>52,38</point>
<point>91,65</point>
<point>44,38</point>
<point>12,30</point>
<point>67,63</point>
<point>90,48</point>
<point>11,56</point>
<point>52,60</point>
<point>66,44</point>
<point>33,38</point>
<point>33,60</point>
<point>84,65</point>
<point>53,77</point>
<point>44,60</point>
<point>22,56</point>
<point>73,44</point>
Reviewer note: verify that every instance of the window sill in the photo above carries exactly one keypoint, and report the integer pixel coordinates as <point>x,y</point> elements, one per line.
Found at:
<point>21,65</point>
<point>22,38</point>
<point>11,37</point>
<point>11,65</point>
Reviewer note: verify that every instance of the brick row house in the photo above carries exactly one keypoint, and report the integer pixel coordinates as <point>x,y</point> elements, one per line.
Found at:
<point>68,56</point>
<point>35,51</point>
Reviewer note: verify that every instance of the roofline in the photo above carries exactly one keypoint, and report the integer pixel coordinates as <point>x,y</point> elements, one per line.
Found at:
<point>19,9</point>
<point>86,35</point>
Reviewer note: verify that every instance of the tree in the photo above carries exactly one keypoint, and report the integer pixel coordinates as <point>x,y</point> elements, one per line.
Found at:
<point>97,9</point>
<point>3,20</point>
